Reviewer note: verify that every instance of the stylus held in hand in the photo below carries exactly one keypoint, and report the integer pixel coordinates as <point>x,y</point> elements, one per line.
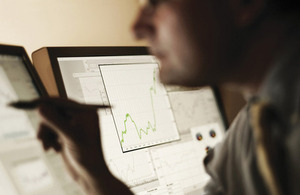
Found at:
<point>30,105</point>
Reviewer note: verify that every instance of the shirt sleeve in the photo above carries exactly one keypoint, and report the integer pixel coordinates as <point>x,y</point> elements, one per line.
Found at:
<point>232,164</point>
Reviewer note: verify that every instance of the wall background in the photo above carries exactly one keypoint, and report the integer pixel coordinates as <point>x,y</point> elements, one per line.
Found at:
<point>37,23</point>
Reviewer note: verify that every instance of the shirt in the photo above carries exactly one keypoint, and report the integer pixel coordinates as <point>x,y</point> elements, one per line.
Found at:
<point>261,150</point>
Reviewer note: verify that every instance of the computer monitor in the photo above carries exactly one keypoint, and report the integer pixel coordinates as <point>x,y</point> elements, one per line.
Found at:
<point>24,167</point>
<point>154,137</point>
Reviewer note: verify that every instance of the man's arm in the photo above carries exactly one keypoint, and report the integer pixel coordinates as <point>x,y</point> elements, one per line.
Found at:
<point>74,132</point>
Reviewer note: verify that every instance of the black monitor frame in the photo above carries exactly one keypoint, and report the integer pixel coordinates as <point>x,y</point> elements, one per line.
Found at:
<point>15,50</point>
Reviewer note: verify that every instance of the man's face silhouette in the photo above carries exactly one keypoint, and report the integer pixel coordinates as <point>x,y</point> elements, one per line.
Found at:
<point>191,38</point>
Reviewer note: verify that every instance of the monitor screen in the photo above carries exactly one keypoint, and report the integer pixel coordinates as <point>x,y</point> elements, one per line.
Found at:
<point>154,137</point>
<point>15,84</point>
<point>24,167</point>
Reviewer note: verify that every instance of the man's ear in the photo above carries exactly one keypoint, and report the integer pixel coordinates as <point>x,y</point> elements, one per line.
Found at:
<point>247,11</point>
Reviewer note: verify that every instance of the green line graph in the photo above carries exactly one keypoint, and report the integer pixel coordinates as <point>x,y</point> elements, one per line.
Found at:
<point>142,113</point>
<point>150,126</point>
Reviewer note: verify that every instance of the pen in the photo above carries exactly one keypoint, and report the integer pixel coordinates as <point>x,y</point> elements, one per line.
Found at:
<point>30,105</point>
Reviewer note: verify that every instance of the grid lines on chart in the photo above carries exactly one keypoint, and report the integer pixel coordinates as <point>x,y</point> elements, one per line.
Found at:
<point>141,108</point>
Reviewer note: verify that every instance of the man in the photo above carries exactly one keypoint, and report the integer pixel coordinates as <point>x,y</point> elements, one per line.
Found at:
<point>251,45</point>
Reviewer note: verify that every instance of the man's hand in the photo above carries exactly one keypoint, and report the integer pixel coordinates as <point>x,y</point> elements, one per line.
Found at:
<point>73,130</point>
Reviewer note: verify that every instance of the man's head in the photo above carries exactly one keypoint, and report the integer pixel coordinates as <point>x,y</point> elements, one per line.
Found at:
<point>199,42</point>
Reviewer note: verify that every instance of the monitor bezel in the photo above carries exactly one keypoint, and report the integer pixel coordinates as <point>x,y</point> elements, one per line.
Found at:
<point>16,50</point>
<point>58,52</point>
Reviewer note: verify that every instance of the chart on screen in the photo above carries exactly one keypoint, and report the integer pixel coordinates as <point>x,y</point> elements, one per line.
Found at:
<point>180,163</point>
<point>141,108</point>
<point>7,93</point>
<point>133,168</point>
<point>14,124</point>
<point>32,176</point>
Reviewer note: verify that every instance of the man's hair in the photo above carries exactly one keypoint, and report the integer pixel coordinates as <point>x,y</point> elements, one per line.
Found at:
<point>285,5</point>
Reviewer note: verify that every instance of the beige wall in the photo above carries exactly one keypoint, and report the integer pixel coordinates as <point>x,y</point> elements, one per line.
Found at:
<point>38,23</point>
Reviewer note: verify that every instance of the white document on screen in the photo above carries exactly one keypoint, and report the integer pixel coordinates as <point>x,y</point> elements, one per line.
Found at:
<point>5,184</point>
<point>14,124</point>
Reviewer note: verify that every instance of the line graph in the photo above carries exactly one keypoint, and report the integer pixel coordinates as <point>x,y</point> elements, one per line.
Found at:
<point>141,108</point>
<point>133,168</point>
<point>92,88</point>
<point>32,176</point>
<point>194,108</point>
<point>150,126</point>
<point>180,163</point>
